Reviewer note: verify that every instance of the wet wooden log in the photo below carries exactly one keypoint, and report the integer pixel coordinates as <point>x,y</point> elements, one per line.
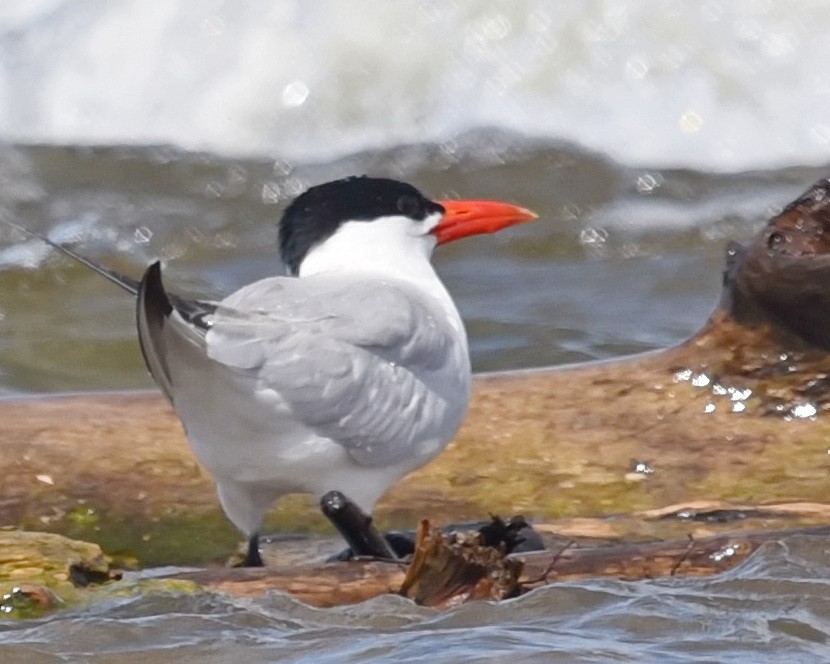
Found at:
<point>650,560</point>
<point>332,584</point>
<point>737,414</point>
<point>323,585</point>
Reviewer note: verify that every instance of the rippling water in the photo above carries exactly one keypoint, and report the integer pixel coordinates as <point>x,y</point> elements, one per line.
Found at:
<point>644,139</point>
<point>622,260</point>
<point>775,608</point>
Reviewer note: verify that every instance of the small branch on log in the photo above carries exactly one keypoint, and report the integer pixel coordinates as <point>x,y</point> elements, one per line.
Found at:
<point>685,555</point>
<point>544,576</point>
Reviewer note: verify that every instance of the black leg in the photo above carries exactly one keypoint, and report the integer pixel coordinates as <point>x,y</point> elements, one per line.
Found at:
<point>252,558</point>
<point>355,526</point>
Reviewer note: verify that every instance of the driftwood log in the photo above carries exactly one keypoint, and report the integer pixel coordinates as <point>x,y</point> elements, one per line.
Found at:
<point>735,415</point>
<point>42,571</point>
<point>440,579</point>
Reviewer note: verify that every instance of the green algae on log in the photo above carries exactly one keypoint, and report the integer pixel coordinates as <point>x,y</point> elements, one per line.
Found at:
<point>735,414</point>
<point>42,571</point>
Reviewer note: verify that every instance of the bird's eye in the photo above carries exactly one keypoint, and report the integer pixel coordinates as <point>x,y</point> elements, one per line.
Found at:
<point>410,206</point>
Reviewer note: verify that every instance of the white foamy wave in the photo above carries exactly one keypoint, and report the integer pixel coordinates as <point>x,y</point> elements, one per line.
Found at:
<point>30,255</point>
<point>712,85</point>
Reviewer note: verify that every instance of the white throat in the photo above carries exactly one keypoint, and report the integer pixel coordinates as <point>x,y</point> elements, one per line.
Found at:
<point>392,246</point>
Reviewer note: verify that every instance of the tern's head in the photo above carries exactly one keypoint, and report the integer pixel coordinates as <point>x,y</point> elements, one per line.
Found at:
<point>362,219</point>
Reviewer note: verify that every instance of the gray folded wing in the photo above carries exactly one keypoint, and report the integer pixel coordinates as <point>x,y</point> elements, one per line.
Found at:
<point>362,363</point>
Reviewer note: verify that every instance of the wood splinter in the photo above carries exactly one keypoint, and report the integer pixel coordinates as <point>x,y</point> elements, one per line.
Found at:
<point>451,568</point>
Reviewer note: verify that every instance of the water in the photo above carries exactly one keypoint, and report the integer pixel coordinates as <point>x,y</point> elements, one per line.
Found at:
<point>645,139</point>
<point>714,85</point>
<point>773,609</point>
<point>623,259</point>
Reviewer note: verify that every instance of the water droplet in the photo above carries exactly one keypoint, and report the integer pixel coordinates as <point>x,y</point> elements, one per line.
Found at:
<point>448,147</point>
<point>804,410</point>
<point>642,467</point>
<point>739,395</point>
<point>593,236</point>
<point>294,186</point>
<point>701,380</point>
<point>724,552</point>
<point>142,234</point>
<point>648,182</point>
<point>270,193</point>
<point>282,167</point>
<point>690,122</point>
<point>294,94</point>
<point>571,212</point>
<point>683,375</point>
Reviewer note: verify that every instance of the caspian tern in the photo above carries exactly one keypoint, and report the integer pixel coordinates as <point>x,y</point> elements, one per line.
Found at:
<point>343,376</point>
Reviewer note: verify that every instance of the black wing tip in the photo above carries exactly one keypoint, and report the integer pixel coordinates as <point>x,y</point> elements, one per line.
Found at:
<point>151,293</point>
<point>153,307</point>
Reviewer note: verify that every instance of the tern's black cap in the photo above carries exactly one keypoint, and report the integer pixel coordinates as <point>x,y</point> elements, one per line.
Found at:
<point>316,214</point>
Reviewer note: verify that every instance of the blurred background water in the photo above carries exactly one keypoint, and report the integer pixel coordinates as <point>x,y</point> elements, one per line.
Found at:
<point>646,135</point>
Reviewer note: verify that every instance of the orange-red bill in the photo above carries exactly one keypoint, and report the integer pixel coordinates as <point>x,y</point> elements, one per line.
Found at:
<point>463,218</point>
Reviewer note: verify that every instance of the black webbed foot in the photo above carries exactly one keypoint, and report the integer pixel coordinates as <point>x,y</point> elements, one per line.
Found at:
<point>514,535</point>
<point>355,527</point>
